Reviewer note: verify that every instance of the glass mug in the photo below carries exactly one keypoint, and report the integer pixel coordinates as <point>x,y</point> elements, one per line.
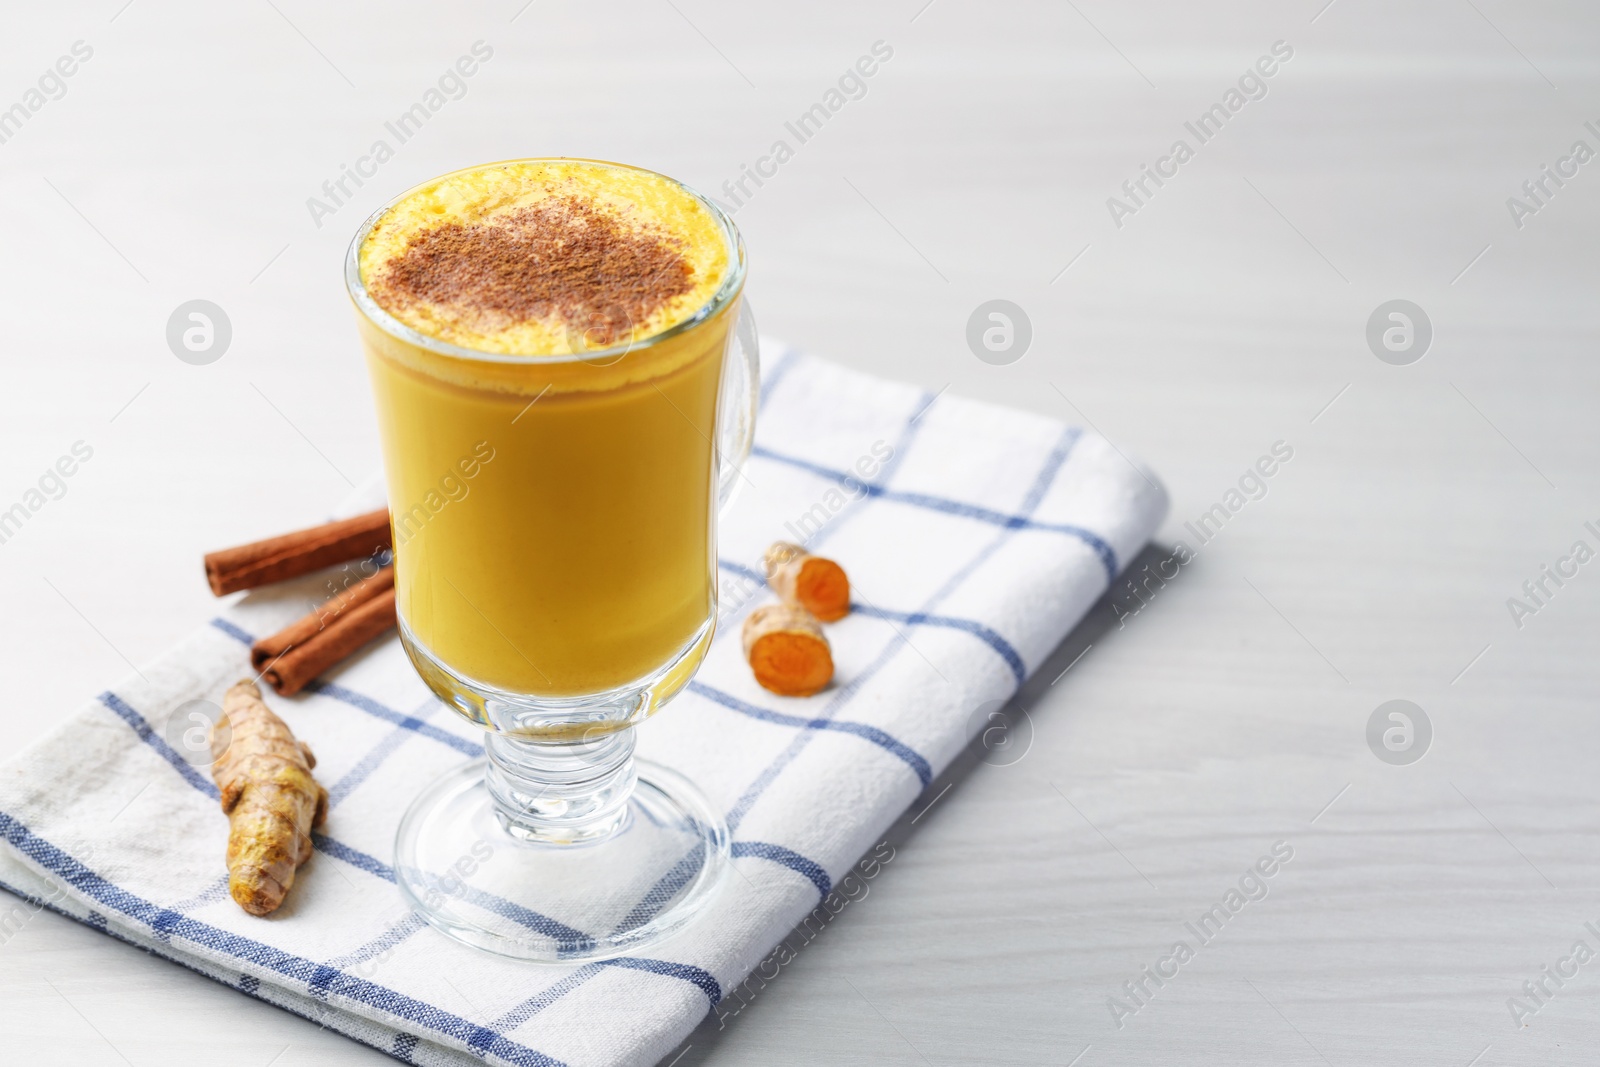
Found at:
<point>554,522</point>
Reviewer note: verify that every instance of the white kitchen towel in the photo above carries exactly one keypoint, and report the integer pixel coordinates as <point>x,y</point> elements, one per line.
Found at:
<point>975,537</point>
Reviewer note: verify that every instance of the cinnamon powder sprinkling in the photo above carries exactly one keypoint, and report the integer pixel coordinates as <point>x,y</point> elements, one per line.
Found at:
<point>558,258</point>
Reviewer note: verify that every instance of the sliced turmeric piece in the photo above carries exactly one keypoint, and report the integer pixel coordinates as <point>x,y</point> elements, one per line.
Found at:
<point>787,650</point>
<point>270,798</point>
<point>817,584</point>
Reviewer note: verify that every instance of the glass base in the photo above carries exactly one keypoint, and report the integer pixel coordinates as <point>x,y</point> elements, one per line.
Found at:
<point>579,878</point>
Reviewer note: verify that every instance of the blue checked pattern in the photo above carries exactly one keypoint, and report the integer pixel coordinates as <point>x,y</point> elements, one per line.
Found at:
<point>973,511</point>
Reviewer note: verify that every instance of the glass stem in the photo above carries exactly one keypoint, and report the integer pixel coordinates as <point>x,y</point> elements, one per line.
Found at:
<point>561,793</point>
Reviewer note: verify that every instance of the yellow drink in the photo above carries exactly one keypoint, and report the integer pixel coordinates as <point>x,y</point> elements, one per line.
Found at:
<point>546,349</point>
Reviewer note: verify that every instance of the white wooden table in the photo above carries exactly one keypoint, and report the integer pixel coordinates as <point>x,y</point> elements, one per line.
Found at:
<point>1226,313</point>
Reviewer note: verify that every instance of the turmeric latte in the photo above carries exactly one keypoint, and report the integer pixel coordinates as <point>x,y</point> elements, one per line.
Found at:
<point>550,467</point>
<point>545,257</point>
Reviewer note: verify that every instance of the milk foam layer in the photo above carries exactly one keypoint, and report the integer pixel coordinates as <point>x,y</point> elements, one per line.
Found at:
<point>545,257</point>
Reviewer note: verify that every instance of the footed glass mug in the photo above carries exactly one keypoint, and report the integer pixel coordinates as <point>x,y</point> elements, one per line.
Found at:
<point>554,521</point>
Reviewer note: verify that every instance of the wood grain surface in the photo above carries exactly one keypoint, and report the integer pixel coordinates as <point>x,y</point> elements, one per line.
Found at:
<point>1185,729</point>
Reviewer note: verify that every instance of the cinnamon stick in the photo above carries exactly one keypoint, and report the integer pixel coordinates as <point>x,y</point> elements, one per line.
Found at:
<point>301,552</point>
<point>323,618</point>
<point>294,656</point>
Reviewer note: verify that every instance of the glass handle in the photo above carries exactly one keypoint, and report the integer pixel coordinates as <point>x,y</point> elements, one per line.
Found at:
<point>736,415</point>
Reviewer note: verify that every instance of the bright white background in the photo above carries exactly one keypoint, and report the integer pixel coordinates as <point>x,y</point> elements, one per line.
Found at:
<point>1228,314</point>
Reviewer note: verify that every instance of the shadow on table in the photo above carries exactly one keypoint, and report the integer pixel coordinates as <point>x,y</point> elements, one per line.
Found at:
<point>1113,611</point>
